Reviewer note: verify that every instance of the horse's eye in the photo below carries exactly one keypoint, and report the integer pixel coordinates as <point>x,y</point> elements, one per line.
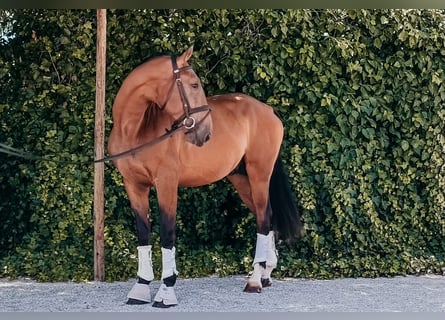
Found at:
<point>195,86</point>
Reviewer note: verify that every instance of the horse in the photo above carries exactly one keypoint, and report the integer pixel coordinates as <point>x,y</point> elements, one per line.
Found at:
<point>196,140</point>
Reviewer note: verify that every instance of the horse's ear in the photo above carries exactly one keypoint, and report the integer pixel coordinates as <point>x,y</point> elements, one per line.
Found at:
<point>186,55</point>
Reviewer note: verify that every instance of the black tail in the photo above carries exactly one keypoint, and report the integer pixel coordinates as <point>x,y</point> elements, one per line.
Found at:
<point>286,221</point>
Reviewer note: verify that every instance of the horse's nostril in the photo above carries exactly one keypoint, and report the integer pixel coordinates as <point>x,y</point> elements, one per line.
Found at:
<point>208,137</point>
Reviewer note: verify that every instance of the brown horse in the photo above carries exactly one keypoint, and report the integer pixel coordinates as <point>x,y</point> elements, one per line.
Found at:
<point>239,140</point>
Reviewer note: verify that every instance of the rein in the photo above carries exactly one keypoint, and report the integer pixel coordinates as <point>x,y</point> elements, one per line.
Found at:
<point>185,121</point>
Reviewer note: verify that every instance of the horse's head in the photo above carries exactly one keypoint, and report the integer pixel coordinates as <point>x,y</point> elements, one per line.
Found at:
<point>186,101</point>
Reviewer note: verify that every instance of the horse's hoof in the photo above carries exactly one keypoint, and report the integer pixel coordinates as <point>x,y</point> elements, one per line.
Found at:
<point>165,297</point>
<point>139,294</point>
<point>132,301</point>
<point>161,304</point>
<point>252,288</point>
<point>266,282</point>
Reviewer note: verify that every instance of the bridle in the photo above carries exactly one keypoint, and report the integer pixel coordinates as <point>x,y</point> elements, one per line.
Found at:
<point>186,120</point>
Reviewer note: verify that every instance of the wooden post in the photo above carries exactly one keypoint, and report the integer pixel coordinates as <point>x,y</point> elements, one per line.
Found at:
<point>99,133</point>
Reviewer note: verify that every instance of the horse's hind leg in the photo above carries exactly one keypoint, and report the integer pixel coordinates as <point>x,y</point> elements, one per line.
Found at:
<point>138,195</point>
<point>263,268</point>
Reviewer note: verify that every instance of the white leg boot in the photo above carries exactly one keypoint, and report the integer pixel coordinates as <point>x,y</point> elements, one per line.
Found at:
<point>259,264</point>
<point>140,293</point>
<point>271,261</point>
<point>166,296</point>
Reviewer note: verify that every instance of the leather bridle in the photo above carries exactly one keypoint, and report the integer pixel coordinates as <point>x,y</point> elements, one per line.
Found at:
<point>186,120</point>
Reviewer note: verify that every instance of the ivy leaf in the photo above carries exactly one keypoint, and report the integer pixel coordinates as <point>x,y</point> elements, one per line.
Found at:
<point>405,145</point>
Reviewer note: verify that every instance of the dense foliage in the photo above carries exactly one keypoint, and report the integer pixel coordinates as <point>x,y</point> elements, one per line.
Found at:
<point>361,94</point>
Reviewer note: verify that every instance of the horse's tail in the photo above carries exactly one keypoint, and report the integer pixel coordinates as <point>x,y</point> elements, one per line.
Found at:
<point>286,221</point>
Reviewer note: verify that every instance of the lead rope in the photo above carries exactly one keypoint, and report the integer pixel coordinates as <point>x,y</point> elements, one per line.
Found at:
<point>131,152</point>
<point>177,125</point>
<point>29,156</point>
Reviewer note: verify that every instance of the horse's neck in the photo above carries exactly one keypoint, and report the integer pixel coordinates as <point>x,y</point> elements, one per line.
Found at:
<point>142,126</point>
<point>134,116</point>
<point>135,113</point>
<point>151,121</point>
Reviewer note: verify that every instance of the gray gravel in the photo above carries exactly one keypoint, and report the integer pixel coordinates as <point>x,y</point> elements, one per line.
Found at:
<point>406,294</point>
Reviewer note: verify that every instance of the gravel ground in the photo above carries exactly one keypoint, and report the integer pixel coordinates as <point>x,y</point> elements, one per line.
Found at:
<point>405,294</point>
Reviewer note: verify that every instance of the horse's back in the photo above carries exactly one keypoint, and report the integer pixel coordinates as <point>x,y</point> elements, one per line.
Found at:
<point>251,122</point>
<point>258,117</point>
<point>239,102</point>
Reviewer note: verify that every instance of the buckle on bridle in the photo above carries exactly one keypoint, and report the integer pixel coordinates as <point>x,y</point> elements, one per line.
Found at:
<point>189,123</point>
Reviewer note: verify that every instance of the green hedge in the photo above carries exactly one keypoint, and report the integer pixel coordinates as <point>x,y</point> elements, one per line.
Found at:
<point>361,94</point>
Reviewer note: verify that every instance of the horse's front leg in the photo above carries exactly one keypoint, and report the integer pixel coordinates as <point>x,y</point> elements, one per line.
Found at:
<point>167,199</point>
<point>138,195</point>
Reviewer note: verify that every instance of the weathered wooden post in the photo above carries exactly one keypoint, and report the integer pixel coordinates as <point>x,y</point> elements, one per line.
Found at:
<point>99,139</point>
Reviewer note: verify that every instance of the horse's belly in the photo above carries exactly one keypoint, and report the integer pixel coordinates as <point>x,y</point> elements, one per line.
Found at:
<point>208,164</point>
<point>199,179</point>
<point>194,175</point>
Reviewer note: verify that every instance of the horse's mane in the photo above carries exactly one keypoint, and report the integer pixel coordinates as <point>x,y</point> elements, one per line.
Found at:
<point>149,58</point>
<point>149,121</point>
<point>153,110</point>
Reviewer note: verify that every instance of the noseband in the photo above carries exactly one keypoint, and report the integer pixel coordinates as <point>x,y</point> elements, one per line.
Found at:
<point>186,120</point>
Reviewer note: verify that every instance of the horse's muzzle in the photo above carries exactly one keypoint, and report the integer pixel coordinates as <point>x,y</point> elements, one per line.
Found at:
<point>206,138</point>
<point>198,136</point>
<point>199,131</point>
